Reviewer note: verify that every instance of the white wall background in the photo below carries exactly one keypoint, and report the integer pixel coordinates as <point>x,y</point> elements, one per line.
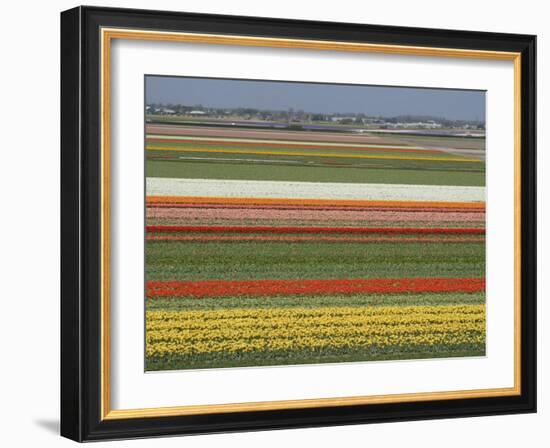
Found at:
<point>29,245</point>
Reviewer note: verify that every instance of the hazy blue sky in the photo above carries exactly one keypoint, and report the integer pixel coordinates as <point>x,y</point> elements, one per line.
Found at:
<point>323,98</point>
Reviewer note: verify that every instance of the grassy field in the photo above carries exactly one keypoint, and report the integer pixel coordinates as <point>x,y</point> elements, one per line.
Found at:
<point>207,170</point>
<point>476,143</point>
<point>188,260</point>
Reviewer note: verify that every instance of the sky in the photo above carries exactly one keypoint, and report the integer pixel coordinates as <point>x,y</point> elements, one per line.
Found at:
<point>317,98</point>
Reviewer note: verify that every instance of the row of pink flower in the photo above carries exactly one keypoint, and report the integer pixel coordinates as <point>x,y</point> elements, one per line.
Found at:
<point>313,229</point>
<point>208,213</point>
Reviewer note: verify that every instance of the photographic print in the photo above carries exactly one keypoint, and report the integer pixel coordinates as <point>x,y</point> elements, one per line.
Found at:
<point>298,223</point>
<point>283,203</point>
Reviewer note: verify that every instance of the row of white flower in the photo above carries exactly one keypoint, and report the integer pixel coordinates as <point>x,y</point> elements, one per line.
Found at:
<point>311,190</point>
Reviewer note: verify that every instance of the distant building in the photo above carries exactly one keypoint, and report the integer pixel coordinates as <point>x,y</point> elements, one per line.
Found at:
<point>415,125</point>
<point>339,119</point>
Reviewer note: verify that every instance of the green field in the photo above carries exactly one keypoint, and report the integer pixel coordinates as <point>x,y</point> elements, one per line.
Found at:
<point>208,170</point>
<point>213,303</point>
<point>476,143</point>
<point>194,160</point>
<point>299,357</point>
<point>188,260</point>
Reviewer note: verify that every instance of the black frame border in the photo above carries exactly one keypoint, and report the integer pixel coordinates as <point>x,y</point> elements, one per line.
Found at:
<point>81,224</point>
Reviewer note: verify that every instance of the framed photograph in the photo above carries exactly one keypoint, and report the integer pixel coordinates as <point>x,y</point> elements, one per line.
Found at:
<point>277,224</point>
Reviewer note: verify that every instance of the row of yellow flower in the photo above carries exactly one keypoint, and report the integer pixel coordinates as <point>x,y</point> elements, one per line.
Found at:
<point>246,330</point>
<point>260,313</point>
<point>383,156</point>
<point>200,322</point>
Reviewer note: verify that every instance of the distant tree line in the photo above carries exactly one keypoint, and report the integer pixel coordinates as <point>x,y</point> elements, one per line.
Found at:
<point>290,115</point>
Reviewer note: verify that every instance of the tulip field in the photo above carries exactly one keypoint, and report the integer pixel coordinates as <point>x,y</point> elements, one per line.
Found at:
<point>310,249</point>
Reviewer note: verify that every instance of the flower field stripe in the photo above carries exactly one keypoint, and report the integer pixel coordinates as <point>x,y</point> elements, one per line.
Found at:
<point>320,230</point>
<point>240,331</point>
<point>167,200</point>
<point>313,302</point>
<point>272,247</point>
<point>284,143</point>
<point>230,188</point>
<point>305,215</point>
<point>396,149</point>
<point>296,239</point>
<point>177,205</point>
<point>221,288</point>
<point>311,154</point>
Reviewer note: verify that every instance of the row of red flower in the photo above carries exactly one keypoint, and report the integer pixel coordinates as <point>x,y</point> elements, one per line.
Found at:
<point>296,239</point>
<point>224,288</point>
<point>297,229</point>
